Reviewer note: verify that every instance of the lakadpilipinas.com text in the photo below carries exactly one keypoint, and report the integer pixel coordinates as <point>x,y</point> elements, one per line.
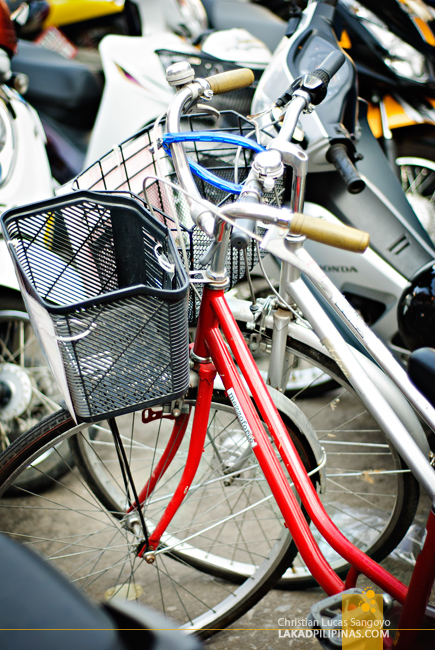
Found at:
<point>300,628</point>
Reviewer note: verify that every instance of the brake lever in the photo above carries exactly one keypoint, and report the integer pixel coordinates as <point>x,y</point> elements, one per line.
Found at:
<point>205,259</point>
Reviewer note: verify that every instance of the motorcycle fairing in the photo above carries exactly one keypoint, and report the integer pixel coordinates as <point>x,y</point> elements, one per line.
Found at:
<point>382,209</point>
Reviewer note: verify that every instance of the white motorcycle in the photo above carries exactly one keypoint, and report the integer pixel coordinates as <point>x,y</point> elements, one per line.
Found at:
<point>135,93</point>
<point>28,391</point>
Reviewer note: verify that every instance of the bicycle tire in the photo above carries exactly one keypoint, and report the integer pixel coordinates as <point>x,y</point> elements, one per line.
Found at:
<point>354,512</point>
<point>68,539</point>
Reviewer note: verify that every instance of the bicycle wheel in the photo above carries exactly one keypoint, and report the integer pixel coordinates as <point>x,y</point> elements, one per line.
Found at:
<point>370,494</point>
<point>27,387</point>
<point>228,518</point>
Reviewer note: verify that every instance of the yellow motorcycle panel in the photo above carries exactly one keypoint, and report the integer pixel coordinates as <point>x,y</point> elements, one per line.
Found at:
<point>68,12</point>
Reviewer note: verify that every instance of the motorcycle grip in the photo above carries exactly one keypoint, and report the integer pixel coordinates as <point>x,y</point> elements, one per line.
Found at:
<point>331,65</point>
<point>338,156</point>
<point>349,239</point>
<point>231,80</point>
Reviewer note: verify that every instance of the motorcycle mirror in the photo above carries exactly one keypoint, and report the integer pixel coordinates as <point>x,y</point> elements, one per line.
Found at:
<point>21,15</point>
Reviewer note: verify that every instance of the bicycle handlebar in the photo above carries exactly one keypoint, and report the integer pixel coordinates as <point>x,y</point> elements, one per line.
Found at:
<point>314,228</point>
<point>349,239</point>
<point>220,83</point>
<point>230,80</point>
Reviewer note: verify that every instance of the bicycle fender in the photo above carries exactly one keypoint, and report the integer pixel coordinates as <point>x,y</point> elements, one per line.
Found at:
<point>289,408</point>
<point>383,383</point>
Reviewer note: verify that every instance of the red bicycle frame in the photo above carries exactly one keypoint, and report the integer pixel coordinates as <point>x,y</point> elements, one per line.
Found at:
<point>210,346</point>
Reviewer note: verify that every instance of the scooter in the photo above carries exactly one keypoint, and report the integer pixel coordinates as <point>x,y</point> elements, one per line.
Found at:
<point>67,92</point>
<point>393,47</point>
<point>28,391</point>
<point>85,22</point>
<point>394,292</point>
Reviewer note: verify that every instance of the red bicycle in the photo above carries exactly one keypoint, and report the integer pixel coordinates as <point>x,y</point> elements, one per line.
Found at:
<point>211,502</point>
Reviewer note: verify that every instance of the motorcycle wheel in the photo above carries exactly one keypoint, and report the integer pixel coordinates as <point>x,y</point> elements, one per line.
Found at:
<point>416,163</point>
<point>27,388</point>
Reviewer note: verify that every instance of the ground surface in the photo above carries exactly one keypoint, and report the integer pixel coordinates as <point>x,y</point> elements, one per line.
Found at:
<point>260,629</point>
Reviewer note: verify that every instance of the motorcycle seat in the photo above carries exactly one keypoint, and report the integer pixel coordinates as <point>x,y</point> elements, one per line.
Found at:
<point>256,19</point>
<point>41,610</point>
<point>66,90</point>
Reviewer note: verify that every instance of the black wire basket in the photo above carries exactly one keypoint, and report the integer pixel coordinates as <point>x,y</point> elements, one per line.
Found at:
<point>107,296</point>
<point>126,167</point>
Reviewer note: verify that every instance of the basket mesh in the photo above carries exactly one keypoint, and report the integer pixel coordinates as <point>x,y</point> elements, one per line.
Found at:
<point>109,277</point>
<point>126,167</point>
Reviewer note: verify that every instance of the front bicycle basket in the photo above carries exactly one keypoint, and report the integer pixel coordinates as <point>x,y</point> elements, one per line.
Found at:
<point>107,296</point>
<point>125,168</point>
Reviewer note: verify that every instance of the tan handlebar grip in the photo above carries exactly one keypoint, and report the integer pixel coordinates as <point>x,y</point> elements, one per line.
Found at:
<point>350,239</point>
<point>231,80</point>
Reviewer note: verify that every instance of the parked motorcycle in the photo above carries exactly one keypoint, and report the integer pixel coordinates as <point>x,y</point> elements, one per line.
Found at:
<point>67,92</point>
<point>400,276</point>
<point>82,22</point>
<point>85,22</point>
<point>393,47</point>
<point>28,391</point>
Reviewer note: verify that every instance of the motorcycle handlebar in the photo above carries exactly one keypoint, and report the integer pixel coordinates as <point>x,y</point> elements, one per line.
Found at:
<point>330,66</point>
<point>338,156</point>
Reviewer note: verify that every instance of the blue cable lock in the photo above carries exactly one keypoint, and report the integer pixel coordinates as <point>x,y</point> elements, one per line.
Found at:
<point>207,136</point>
